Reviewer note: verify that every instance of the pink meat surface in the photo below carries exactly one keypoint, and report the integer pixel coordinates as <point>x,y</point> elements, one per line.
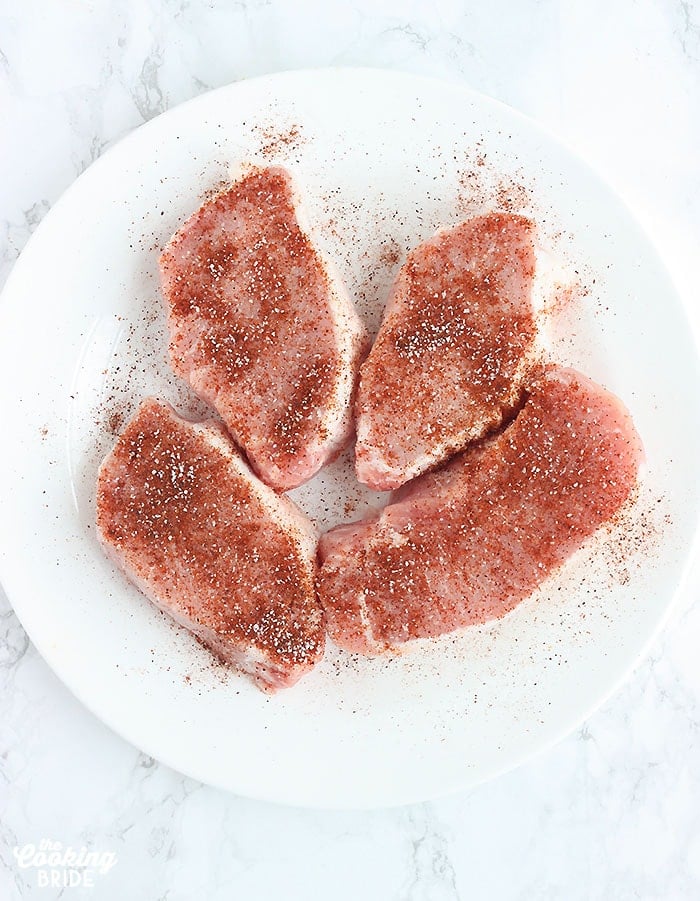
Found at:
<point>452,350</point>
<point>262,328</point>
<point>212,546</point>
<point>465,544</point>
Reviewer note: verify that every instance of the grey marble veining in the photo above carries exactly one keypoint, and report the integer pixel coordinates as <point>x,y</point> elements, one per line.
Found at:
<point>613,811</point>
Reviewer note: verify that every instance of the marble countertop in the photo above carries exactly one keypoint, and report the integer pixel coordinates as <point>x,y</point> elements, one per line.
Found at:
<point>611,812</point>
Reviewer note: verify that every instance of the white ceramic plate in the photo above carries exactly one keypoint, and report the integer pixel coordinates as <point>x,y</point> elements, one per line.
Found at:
<point>383,159</point>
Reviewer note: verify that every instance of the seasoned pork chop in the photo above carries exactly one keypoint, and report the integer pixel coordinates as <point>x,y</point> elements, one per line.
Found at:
<point>262,328</point>
<point>180,511</point>
<point>465,544</point>
<point>451,352</point>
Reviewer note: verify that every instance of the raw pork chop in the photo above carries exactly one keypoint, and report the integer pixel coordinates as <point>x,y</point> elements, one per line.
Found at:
<point>180,511</point>
<point>451,352</point>
<point>262,329</point>
<point>467,543</point>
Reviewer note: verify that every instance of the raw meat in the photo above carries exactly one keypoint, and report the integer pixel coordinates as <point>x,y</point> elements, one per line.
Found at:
<point>465,544</point>
<point>263,329</point>
<point>451,352</point>
<point>180,511</point>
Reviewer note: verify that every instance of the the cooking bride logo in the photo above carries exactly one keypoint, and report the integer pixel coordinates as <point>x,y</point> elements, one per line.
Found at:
<point>61,867</point>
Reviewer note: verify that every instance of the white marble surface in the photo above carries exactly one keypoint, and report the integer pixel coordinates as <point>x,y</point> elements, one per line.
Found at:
<point>613,812</point>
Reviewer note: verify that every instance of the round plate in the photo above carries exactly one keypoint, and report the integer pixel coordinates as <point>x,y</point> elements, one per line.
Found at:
<point>382,160</point>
